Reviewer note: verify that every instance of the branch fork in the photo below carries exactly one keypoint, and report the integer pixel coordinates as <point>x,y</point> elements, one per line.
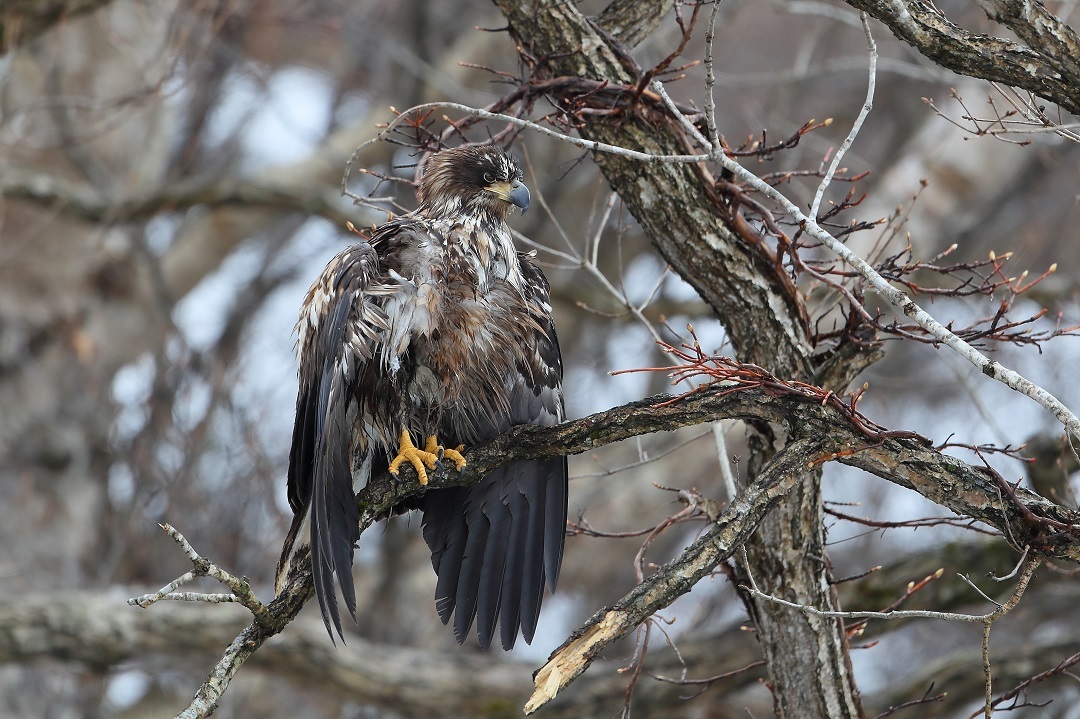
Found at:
<point>241,590</point>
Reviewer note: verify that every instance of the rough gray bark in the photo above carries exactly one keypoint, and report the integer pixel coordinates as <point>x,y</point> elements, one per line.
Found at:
<point>631,21</point>
<point>809,672</point>
<point>1047,65</point>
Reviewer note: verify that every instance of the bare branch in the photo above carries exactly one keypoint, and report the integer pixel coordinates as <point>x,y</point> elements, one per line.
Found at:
<point>899,299</point>
<point>925,28</point>
<point>868,105</point>
<point>989,617</point>
<point>902,460</point>
<point>204,568</point>
<point>674,579</point>
<point>1040,29</point>
<point>89,204</point>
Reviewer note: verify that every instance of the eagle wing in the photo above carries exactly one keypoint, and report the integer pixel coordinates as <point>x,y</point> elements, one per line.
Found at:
<point>341,325</point>
<point>495,545</point>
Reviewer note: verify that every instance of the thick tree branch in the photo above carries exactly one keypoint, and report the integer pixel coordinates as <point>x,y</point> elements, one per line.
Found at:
<point>1040,29</point>
<point>966,490</point>
<point>820,433</point>
<point>1045,66</point>
<point>88,204</point>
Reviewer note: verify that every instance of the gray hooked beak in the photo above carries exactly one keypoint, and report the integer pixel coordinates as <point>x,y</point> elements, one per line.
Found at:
<point>519,196</point>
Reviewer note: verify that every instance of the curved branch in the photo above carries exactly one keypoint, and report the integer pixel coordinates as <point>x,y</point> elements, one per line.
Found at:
<point>1045,68</point>
<point>85,203</point>
<point>822,433</point>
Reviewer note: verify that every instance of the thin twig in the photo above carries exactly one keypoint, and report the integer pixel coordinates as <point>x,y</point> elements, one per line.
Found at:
<point>710,78</point>
<point>868,105</point>
<point>241,590</point>
<point>1001,610</point>
<point>1019,564</point>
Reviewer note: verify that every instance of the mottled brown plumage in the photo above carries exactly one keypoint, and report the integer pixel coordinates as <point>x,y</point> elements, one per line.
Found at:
<point>437,326</point>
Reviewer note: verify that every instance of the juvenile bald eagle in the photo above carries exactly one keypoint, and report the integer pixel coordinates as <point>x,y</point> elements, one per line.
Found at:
<point>437,329</point>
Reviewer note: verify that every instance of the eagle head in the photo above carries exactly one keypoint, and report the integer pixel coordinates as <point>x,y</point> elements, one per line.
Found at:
<point>474,179</point>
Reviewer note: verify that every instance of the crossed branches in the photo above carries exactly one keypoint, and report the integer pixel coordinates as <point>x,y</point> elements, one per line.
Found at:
<point>830,434</point>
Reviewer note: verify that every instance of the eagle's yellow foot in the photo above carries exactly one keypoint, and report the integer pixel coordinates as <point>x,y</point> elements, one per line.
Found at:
<point>418,458</point>
<point>454,455</point>
<point>430,457</point>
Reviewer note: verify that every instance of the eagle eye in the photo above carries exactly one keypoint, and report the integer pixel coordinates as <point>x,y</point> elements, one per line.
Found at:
<point>489,177</point>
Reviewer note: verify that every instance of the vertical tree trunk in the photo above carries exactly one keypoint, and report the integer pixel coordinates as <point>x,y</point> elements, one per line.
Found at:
<point>810,674</point>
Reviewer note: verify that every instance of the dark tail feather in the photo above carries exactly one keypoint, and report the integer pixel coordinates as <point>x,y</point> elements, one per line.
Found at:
<point>489,598</point>
<point>532,566</point>
<point>322,571</point>
<point>487,586</point>
<point>556,486</point>
<point>445,534</point>
<point>518,506</point>
<point>472,565</point>
<point>493,546</point>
